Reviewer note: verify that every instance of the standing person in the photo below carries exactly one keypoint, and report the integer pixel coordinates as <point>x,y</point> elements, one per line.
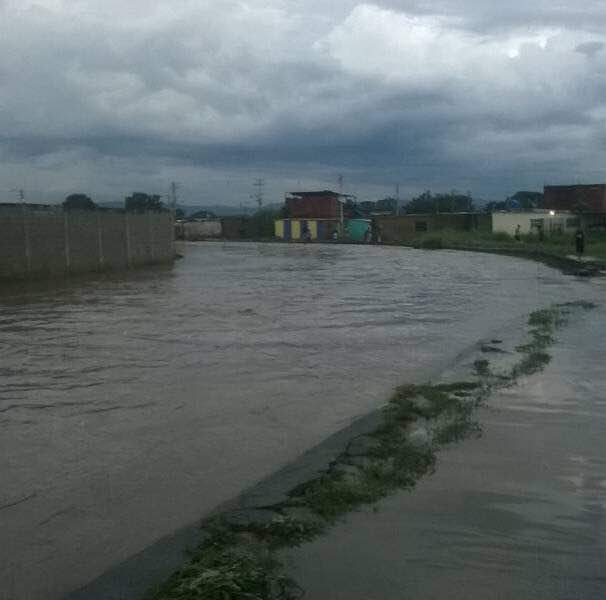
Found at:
<point>375,231</point>
<point>516,235</point>
<point>579,241</point>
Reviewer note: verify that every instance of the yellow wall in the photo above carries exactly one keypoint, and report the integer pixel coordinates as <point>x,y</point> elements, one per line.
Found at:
<point>313,229</point>
<point>295,230</point>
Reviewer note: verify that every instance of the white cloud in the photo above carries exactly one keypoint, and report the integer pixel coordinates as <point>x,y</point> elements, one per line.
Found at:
<point>297,80</point>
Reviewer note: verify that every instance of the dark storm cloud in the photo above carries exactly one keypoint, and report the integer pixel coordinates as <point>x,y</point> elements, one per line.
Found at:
<point>590,49</point>
<point>462,94</point>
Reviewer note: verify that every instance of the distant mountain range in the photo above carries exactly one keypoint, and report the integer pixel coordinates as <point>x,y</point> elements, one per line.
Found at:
<point>221,210</point>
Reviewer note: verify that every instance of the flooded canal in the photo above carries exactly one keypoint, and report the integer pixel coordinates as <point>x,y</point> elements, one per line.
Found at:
<point>131,407</point>
<point>519,513</point>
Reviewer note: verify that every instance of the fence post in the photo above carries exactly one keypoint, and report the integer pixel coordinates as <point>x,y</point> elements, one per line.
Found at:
<point>66,239</point>
<point>127,228</point>
<point>150,235</point>
<point>100,242</point>
<point>26,240</point>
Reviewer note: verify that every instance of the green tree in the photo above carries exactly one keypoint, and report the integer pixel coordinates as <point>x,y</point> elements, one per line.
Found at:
<point>141,202</point>
<point>78,202</point>
<point>386,205</point>
<point>427,203</point>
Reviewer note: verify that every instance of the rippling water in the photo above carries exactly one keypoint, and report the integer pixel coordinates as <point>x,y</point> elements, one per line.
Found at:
<point>520,513</point>
<point>130,407</point>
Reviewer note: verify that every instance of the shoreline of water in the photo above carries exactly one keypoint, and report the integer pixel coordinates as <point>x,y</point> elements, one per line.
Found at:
<point>135,389</point>
<point>517,512</point>
<point>257,506</point>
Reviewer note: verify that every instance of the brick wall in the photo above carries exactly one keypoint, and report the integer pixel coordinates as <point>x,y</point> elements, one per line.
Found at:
<point>586,198</point>
<point>319,206</point>
<point>35,243</point>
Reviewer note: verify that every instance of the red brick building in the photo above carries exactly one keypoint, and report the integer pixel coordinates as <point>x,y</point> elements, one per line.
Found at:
<point>325,204</point>
<point>585,198</point>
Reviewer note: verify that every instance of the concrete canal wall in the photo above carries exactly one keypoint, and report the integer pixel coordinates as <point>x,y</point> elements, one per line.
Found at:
<point>38,243</point>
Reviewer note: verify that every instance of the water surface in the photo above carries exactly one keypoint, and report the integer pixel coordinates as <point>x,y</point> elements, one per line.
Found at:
<point>519,513</point>
<point>132,406</point>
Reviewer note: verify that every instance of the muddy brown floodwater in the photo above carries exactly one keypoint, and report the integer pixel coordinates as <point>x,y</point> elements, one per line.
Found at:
<point>130,407</point>
<point>519,513</point>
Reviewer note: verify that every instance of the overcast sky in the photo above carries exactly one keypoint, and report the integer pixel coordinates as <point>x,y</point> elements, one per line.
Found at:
<point>111,96</point>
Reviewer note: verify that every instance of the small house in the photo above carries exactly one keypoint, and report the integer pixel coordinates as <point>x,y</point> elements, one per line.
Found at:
<point>535,222</point>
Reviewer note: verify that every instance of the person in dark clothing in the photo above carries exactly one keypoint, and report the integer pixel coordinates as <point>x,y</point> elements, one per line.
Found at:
<point>516,235</point>
<point>375,232</point>
<point>579,241</point>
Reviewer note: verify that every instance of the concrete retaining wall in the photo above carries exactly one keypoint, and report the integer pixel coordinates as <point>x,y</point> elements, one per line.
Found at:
<point>37,243</point>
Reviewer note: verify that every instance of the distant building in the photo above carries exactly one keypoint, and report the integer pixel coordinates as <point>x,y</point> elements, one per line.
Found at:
<point>324,204</point>
<point>577,198</point>
<point>534,222</point>
<point>406,227</point>
<point>192,231</point>
<point>294,229</point>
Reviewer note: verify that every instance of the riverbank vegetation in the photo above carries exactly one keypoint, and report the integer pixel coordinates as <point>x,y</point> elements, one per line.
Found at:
<point>560,245</point>
<point>239,557</point>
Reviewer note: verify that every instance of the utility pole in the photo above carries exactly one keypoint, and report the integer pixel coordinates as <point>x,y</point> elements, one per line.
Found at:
<point>397,198</point>
<point>174,186</point>
<point>20,193</point>
<point>341,217</point>
<point>258,196</point>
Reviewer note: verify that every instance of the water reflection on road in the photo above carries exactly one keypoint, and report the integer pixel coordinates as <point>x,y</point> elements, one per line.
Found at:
<point>130,407</point>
